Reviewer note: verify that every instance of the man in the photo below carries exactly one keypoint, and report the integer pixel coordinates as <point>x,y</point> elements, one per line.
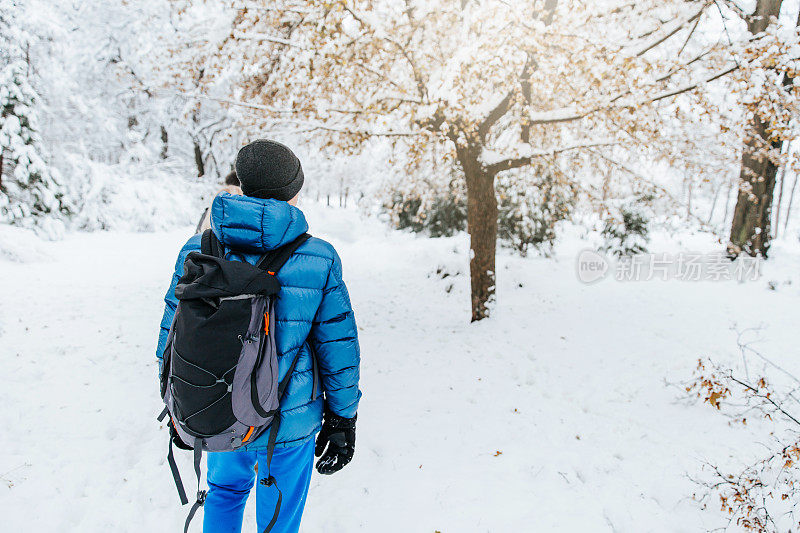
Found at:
<point>313,315</point>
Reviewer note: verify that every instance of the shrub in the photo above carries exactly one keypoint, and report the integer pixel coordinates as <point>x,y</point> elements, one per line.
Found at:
<point>762,494</point>
<point>527,210</point>
<point>626,232</point>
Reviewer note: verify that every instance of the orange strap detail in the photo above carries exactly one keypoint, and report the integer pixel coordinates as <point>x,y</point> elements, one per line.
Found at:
<point>249,432</point>
<point>266,323</point>
<point>270,272</point>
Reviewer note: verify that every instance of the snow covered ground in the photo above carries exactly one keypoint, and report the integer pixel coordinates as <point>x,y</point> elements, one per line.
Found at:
<point>553,415</point>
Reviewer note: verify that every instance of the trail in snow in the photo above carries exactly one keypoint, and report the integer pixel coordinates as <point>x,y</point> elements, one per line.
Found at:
<point>553,415</point>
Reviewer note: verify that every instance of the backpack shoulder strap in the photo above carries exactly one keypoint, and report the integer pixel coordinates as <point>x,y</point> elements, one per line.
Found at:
<point>210,245</point>
<point>275,259</point>
<point>201,221</point>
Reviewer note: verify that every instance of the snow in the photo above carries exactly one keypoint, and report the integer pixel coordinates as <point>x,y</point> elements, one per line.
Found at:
<point>20,245</point>
<point>553,415</point>
<point>135,197</point>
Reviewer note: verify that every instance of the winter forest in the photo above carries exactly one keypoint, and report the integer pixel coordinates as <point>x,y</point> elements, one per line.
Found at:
<point>570,231</point>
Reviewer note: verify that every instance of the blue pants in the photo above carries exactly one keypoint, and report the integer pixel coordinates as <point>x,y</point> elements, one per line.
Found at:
<point>231,476</point>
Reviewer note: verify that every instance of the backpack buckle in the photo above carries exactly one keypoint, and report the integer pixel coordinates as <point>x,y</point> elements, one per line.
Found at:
<point>201,497</point>
<point>268,481</point>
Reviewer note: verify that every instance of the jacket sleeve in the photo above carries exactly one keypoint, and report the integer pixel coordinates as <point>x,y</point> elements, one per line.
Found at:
<point>170,302</point>
<point>334,338</point>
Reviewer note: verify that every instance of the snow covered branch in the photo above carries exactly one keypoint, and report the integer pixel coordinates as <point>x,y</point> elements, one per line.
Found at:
<point>494,115</point>
<point>508,164</point>
<point>365,134</point>
<point>570,114</point>
<point>242,36</point>
<point>238,103</point>
<point>669,30</point>
<point>761,496</point>
<point>503,106</point>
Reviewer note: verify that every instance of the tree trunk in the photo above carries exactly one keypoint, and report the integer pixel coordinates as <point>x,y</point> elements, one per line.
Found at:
<point>765,10</point>
<point>198,160</point>
<point>714,203</point>
<point>789,207</point>
<point>482,228</point>
<point>788,83</point>
<point>727,202</point>
<point>750,228</point>
<point>781,181</point>
<point>164,142</point>
<point>688,200</point>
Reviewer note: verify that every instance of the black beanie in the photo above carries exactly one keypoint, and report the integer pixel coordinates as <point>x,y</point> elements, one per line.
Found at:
<point>268,169</point>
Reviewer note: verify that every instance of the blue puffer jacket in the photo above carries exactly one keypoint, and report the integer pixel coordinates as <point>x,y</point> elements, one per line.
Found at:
<point>313,308</point>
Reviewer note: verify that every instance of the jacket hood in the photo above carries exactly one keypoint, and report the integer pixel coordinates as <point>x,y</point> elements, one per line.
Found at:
<point>255,225</point>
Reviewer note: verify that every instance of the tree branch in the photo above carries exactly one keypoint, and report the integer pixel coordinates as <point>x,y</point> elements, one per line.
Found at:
<point>680,68</point>
<point>570,114</point>
<point>237,103</point>
<point>494,115</point>
<point>379,75</point>
<point>688,37</point>
<point>559,115</point>
<point>251,6</point>
<point>508,164</point>
<point>744,15</point>
<point>687,88</point>
<point>766,397</point>
<point>421,88</point>
<point>356,133</point>
<point>503,106</point>
<point>242,36</point>
<point>658,40</point>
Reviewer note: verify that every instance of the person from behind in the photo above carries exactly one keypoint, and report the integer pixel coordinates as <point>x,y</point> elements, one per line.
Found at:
<point>316,343</point>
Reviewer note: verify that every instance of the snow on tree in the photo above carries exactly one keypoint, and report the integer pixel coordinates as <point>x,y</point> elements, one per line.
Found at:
<point>595,93</point>
<point>118,140</point>
<point>30,189</point>
<point>190,42</point>
<point>626,232</point>
<point>771,99</point>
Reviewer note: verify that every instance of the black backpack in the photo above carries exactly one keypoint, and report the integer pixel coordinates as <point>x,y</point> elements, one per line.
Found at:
<point>219,375</point>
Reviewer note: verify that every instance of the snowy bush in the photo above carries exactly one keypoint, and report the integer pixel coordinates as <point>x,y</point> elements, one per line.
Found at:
<point>30,189</point>
<point>626,231</point>
<point>527,212</point>
<point>32,193</point>
<point>439,211</point>
<point>763,493</point>
<point>528,208</point>
<point>93,144</point>
<point>123,197</point>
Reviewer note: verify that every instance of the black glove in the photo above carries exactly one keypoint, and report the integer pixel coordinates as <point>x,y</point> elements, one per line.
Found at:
<point>339,435</point>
